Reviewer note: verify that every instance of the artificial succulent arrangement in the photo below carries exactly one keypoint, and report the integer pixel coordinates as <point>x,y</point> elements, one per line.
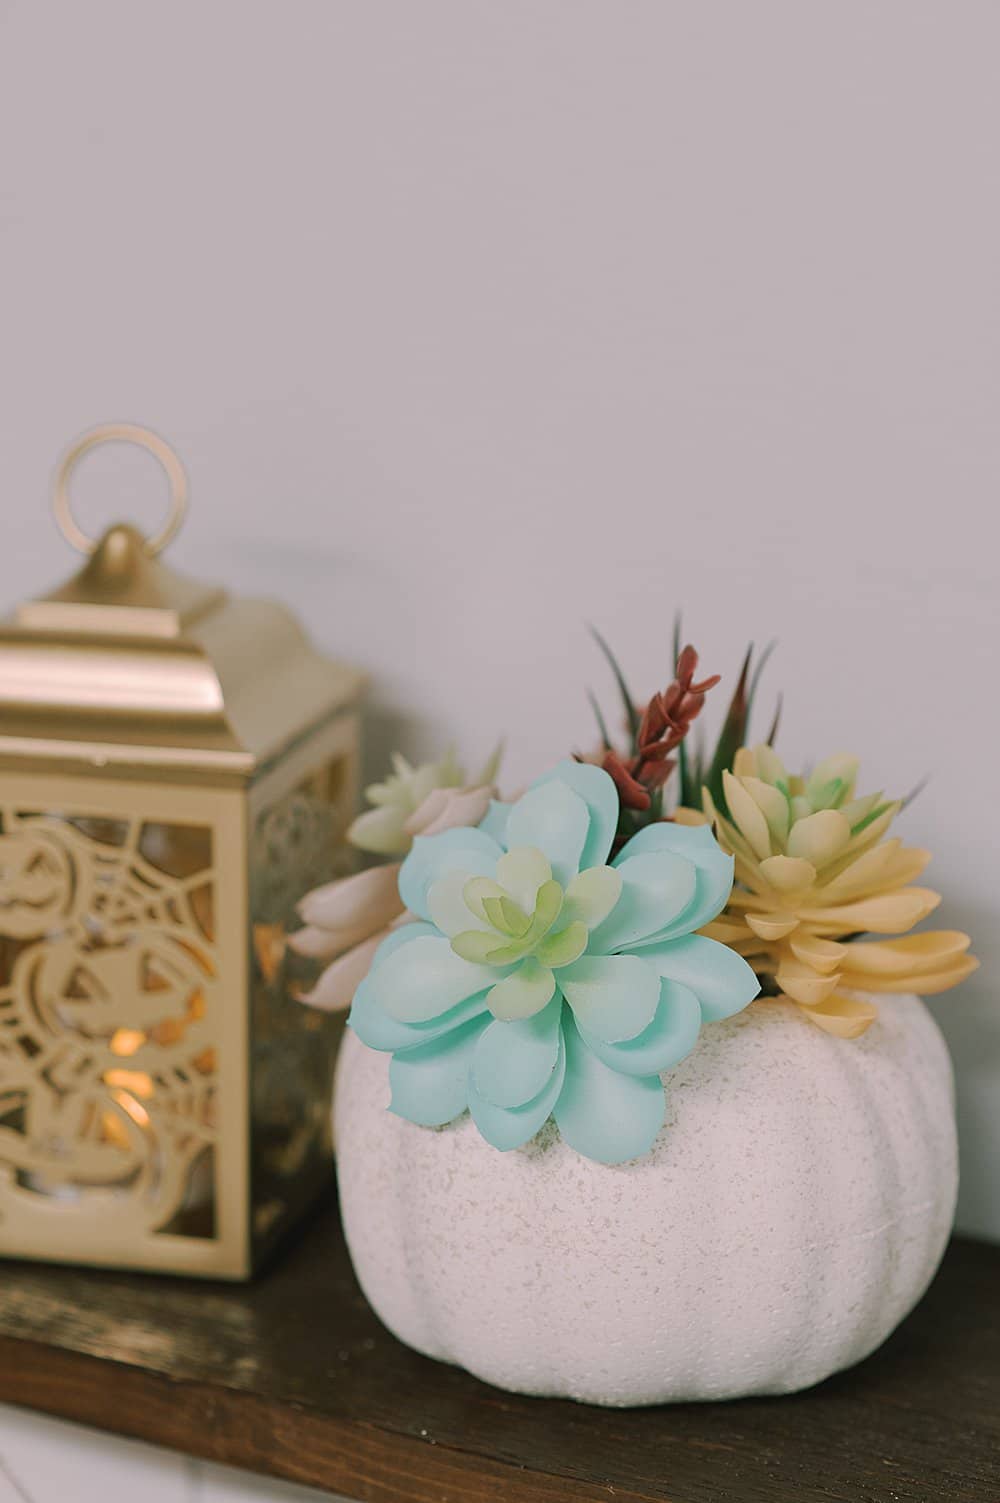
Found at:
<point>816,870</point>
<point>553,955</point>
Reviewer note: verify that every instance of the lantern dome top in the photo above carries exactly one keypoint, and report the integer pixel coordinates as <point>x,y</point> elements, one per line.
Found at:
<point>132,665</point>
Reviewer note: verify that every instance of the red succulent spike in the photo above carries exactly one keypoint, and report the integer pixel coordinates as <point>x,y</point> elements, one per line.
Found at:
<point>656,730</point>
<point>667,718</point>
<point>657,773</point>
<point>687,662</point>
<point>655,751</point>
<point>631,793</point>
<point>653,722</point>
<point>660,728</point>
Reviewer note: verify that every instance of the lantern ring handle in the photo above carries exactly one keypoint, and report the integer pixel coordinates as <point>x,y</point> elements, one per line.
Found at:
<point>121,433</point>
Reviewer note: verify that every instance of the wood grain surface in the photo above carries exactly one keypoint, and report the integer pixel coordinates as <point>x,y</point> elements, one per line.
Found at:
<point>293,1376</point>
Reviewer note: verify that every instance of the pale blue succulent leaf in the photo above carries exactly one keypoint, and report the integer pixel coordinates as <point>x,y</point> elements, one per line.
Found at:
<point>657,886</point>
<point>494,822</point>
<point>425,978</point>
<point>602,1113</point>
<point>671,1035</point>
<point>430,1084</point>
<point>555,820</point>
<point>433,856</point>
<point>447,905</point>
<point>511,1127</point>
<point>401,936</point>
<point>599,793</point>
<point>714,879</point>
<point>690,841</point>
<point>374,1027</point>
<point>721,980</point>
<point>514,1061</point>
<point>612,996</point>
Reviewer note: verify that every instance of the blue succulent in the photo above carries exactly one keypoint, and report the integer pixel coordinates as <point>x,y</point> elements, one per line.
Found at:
<point>540,981</point>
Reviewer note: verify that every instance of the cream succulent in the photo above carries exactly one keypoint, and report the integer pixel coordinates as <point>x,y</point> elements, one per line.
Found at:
<point>813,871</point>
<point>345,921</point>
<point>404,806</point>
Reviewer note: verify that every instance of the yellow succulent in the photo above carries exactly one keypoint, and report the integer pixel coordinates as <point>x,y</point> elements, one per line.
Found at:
<point>813,870</point>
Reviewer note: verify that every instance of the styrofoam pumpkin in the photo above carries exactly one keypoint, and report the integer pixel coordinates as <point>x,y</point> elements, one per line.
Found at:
<point>792,1210</point>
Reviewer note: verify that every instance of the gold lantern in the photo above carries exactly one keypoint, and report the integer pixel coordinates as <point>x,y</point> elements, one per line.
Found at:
<point>177,768</point>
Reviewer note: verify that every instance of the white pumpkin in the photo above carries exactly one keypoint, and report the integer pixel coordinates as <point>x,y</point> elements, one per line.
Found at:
<point>792,1210</point>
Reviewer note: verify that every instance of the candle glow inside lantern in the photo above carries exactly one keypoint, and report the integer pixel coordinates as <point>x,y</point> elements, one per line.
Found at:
<point>177,769</point>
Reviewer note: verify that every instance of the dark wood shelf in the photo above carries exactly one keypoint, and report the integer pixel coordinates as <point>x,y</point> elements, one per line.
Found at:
<point>293,1376</point>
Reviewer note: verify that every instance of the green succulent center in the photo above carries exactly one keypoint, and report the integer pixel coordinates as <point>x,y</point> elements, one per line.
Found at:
<point>511,933</point>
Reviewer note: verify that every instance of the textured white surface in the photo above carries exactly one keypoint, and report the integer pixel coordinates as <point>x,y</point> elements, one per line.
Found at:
<point>791,1212</point>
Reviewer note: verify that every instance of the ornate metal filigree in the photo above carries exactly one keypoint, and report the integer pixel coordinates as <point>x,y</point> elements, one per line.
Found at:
<point>108,1017</point>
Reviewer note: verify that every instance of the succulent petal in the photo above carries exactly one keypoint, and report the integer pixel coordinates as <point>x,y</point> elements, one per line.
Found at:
<point>747,815</point>
<point>555,820</point>
<point>788,873</point>
<point>592,894</point>
<point>521,872</point>
<point>820,837</point>
<point>612,996</point>
<point>561,947</point>
<point>523,993</point>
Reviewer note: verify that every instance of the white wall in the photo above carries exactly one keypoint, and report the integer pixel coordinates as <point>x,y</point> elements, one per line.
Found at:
<point>473,321</point>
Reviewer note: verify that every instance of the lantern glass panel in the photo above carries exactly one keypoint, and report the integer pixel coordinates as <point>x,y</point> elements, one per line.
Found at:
<point>114,980</point>
<point>107,994</point>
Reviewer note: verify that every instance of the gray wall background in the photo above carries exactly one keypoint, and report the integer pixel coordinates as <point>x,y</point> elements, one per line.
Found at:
<point>472,321</point>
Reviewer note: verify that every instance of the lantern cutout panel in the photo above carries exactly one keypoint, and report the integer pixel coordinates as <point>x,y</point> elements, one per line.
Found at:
<point>177,769</point>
